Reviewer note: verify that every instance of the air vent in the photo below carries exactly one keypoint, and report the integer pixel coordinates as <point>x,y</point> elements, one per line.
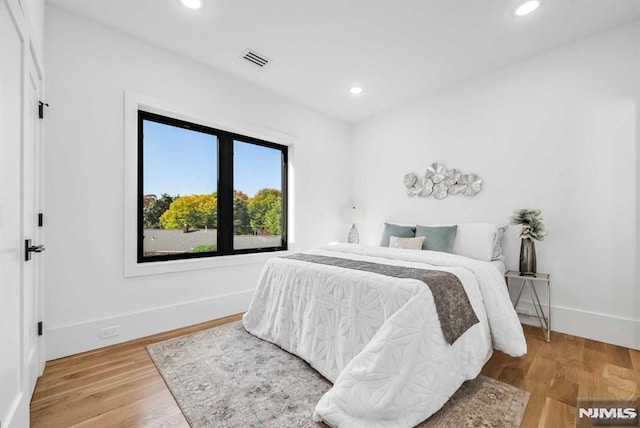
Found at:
<point>256,58</point>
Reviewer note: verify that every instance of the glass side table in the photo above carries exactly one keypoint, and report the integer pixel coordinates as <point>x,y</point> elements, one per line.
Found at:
<point>528,282</point>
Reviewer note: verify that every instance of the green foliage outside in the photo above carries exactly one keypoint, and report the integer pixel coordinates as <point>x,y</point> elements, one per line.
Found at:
<point>198,211</point>
<point>241,216</point>
<point>272,219</point>
<point>265,211</point>
<point>261,214</point>
<point>153,208</point>
<point>204,248</point>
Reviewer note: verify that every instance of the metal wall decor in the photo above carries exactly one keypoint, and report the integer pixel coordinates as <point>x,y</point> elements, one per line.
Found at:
<point>440,182</point>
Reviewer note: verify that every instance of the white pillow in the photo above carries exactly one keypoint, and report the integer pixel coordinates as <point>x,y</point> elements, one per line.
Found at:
<point>406,243</point>
<point>497,246</point>
<point>475,240</point>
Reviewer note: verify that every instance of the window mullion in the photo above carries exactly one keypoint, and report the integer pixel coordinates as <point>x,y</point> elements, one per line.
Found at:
<point>225,194</point>
<point>140,249</point>
<point>285,195</point>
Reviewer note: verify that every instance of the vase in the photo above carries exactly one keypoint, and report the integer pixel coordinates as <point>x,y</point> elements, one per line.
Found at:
<point>353,237</point>
<point>527,257</point>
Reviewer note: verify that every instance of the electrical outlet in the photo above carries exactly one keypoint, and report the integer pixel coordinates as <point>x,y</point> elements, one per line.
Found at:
<point>108,332</point>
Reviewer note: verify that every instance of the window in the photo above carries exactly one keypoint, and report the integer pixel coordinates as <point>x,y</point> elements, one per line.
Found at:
<point>205,192</point>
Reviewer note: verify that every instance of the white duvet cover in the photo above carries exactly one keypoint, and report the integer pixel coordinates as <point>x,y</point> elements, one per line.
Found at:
<point>377,338</point>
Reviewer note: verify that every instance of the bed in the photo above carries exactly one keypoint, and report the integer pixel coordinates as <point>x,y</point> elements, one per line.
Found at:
<point>379,338</point>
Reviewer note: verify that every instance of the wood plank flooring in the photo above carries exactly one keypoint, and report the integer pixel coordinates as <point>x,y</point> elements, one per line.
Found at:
<point>120,386</point>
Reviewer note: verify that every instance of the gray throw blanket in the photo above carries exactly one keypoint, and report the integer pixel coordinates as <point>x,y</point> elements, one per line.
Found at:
<point>452,303</point>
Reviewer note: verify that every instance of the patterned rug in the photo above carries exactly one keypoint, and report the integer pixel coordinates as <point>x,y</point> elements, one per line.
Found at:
<point>225,377</point>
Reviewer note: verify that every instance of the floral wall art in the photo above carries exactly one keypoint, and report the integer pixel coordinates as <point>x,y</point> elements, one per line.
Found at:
<point>441,182</point>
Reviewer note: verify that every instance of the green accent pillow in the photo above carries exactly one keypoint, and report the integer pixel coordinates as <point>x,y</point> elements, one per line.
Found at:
<point>396,230</point>
<point>437,238</point>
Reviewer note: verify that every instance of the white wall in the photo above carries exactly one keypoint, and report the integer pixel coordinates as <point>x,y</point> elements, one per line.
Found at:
<point>637,282</point>
<point>88,69</point>
<point>557,132</point>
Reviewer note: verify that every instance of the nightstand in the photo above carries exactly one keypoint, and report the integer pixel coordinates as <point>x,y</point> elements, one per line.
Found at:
<point>529,282</point>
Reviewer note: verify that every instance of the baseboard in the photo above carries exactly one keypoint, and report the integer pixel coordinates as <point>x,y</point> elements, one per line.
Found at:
<point>72,339</point>
<point>18,414</point>
<point>604,328</point>
<point>67,340</point>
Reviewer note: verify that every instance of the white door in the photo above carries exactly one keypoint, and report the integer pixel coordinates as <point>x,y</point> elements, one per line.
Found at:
<point>20,181</point>
<point>32,231</point>
<point>13,397</point>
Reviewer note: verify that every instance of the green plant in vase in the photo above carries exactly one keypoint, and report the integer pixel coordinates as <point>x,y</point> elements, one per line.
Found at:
<point>532,228</point>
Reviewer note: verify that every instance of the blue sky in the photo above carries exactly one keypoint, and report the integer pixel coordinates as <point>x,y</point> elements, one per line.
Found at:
<point>179,161</point>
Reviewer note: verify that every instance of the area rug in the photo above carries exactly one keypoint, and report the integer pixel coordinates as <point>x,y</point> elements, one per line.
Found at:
<point>225,377</point>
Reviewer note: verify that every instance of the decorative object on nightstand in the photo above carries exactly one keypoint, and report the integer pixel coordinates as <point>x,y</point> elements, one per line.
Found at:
<point>532,228</point>
<point>353,216</point>
<point>528,282</point>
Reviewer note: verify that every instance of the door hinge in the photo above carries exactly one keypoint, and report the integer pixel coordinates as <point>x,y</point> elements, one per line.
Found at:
<point>40,328</point>
<point>41,106</point>
<point>40,219</point>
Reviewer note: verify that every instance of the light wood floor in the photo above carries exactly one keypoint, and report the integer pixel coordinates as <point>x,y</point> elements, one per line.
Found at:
<point>119,386</point>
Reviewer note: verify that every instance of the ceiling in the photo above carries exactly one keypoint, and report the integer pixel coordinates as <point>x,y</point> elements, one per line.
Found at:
<point>396,50</point>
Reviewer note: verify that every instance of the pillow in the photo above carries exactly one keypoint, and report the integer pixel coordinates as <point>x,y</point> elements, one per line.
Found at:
<point>438,238</point>
<point>406,243</point>
<point>396,230</point>
<point>497,247</point>
<point>475,240</point>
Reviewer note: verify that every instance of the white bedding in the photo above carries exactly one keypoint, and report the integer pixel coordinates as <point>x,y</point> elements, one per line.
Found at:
<point>499,264</point>
<point>377,338</point>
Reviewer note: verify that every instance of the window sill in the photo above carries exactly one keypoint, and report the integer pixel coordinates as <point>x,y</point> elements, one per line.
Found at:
<point>171,266</point>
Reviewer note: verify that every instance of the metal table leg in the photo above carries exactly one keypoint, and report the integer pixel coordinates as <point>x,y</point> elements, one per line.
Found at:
<point>544,320</point>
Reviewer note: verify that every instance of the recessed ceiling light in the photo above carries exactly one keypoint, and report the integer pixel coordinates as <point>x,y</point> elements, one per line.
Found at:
<point>356,90</point>
<point>527,7</point>
<point>192,4</point>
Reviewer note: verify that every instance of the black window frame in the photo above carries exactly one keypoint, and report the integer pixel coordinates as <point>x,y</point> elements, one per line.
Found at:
<point>225,229</point>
